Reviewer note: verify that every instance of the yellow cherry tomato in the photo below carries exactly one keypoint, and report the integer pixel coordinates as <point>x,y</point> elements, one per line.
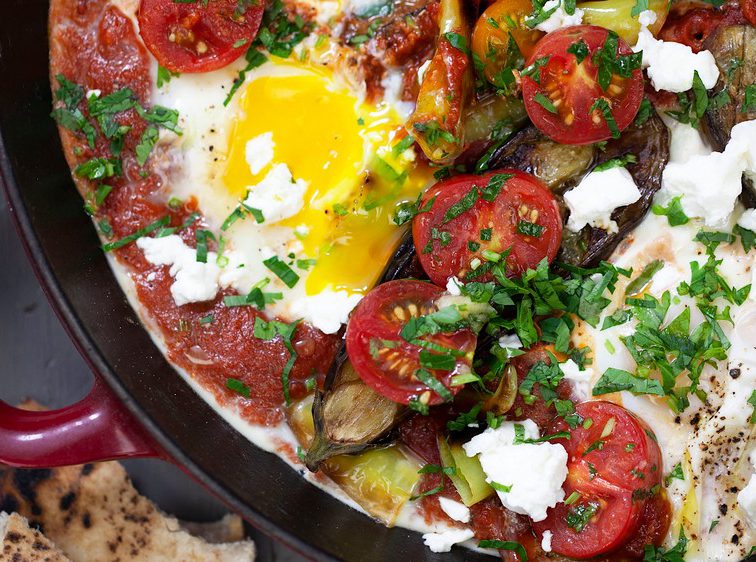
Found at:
<point>490,39</point>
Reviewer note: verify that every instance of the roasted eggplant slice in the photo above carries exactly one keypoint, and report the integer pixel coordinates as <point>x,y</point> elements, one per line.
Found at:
<point>561,167</point>
<point>348,415</point>
<point>734,49</point>
<point>649,143</point>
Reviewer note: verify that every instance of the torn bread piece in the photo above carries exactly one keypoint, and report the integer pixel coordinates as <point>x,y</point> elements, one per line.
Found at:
<point>94,513</point>
<point>21,543</point>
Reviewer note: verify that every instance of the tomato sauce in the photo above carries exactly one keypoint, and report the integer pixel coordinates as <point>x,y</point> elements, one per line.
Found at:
<point>693,26</point>
<point>95,45</point>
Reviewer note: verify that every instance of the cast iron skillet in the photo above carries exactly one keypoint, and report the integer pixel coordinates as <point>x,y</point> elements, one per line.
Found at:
<point>134,380</point>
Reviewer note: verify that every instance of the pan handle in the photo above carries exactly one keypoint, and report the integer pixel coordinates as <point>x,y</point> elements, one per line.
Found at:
<point>97,428</point>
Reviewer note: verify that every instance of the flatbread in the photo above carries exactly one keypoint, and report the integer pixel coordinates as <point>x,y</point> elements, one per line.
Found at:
<point>93,513</point>
<point>21,543</point>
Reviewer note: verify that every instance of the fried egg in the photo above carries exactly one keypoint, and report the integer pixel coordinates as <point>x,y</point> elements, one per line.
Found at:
<point>317,170</point>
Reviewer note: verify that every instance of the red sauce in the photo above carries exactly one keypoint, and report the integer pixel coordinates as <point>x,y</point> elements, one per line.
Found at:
<point>693,26</point>
<point>96,46</point>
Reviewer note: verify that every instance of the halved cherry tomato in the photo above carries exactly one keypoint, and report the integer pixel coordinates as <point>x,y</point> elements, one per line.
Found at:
<point>563,98</point>
<point>198,36</point>
<point>390,364</point>
<point>471,220</point>
<point>490,38</point>
<point>614,469</point>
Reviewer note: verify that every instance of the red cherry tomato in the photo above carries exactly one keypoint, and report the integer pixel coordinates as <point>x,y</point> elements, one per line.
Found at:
<point>198,36</point>
<point>562,105</point>
<point>614,469</point>
<point>392,365</point>
<point>470,219</point>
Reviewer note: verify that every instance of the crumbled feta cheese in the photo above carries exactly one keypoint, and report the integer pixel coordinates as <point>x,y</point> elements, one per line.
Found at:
<point>453,286</point>
<point>559,18</point>
<point>259,152</point>
<point>93,93</point>
<point>511,341</point>
<point>670,66</point>
<point>546,541</point>
<point>581,380</point>
<point>684,141</point>
<point>535,471</point>
<point>327,310</point>
<point>744,135</point>
<point>360,7</point>
<point>327,10</point>
<point>393,87</point>
<point>597,195</point>
<point>277,196</point>
<point>193,281</point>
<point>710,184</point>
<point>748,220</point>
<point>457,511</point>
<point>442,542</point>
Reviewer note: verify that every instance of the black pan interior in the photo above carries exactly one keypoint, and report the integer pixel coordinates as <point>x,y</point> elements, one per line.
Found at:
<point>64,248</point>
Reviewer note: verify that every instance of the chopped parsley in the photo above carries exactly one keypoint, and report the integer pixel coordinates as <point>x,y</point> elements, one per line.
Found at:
<point>505,545</point>
<point>281,270</point>
<point>268,331</point>
<point>541,99</point>
<point>673,211</point>
<point>530,229</point>
<point>238,386</point>
<point>579,515</point>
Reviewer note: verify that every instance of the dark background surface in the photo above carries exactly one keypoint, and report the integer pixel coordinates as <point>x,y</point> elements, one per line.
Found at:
<point>39,361</point>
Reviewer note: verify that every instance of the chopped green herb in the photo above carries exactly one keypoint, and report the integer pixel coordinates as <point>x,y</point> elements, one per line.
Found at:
<point>530,229</point>
<point>505,545</point>
<point>238,386</point>
<point>282,271</point>
<point>164,221</point>
<point>545,102</point>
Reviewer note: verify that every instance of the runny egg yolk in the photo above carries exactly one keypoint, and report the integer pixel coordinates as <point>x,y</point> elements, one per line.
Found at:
<point>344,150</point>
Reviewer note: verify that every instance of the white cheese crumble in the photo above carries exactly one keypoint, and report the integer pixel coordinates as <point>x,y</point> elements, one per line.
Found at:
<point>535,472</point>
<point>748,220</point>
<point>327,10</point>
<point>327,310</point>
<point>442,542</point>
<point>670,65</point>
<point>511,341</point>
<point>546,541</point>
<point>277,196</point>
<point>581,380</point>
<point>457,511</point>
<point>559,18</point>
<point>684,141</point>
<point>453,286</point>
<point>259,152</point>
<point>592,201</point>
<point>710,184</point>
<point>193,281</point>
<point>393,86</point>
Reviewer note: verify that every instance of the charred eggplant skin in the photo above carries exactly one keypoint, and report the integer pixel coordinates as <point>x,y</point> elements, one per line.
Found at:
<point>734,49</point>
<point>561,167</point>
<point>338,430</point>
<point>649,143</point>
